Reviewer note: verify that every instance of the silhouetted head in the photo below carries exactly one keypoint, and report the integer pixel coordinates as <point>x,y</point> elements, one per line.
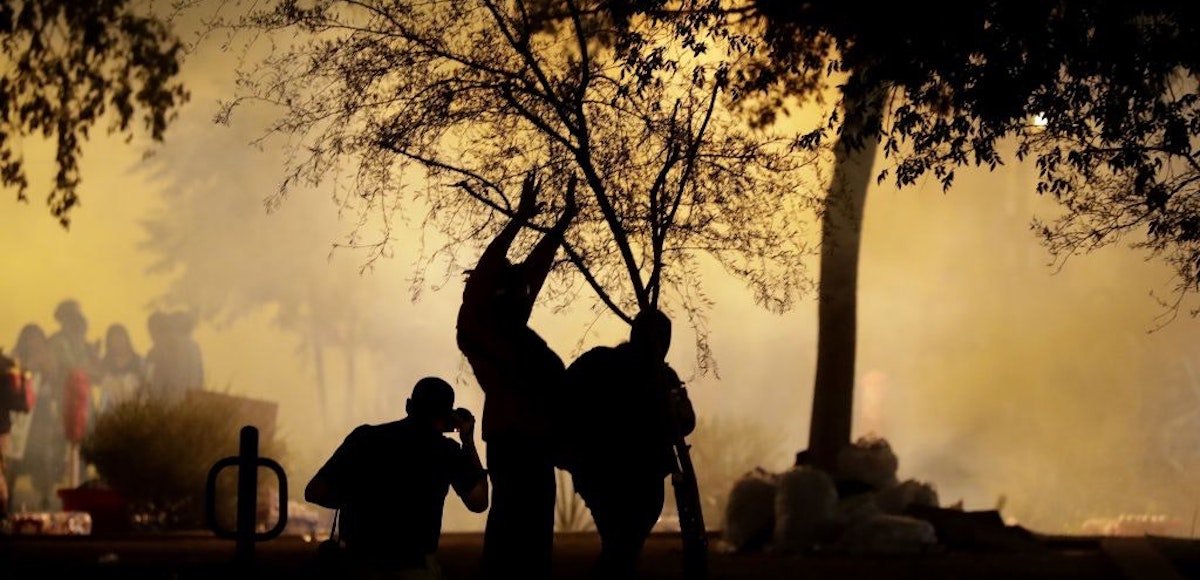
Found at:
<point>117,342</point>
<point>651,331</point>
<point>510,298</point>
<point>432,401</point>
<point>70,317</point>
<point>32,350</point>
<point>157,324</point>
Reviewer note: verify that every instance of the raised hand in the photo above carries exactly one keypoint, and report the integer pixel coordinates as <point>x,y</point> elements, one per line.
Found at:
<point>527,206</point>
<point>569,208</point>
<point>466,423</point>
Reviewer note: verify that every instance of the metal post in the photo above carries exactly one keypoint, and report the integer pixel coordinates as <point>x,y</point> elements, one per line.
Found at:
<point>247,494</point>
<point>247,463</point>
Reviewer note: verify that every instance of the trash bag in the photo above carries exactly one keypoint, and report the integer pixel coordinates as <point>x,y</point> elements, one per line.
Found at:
<point>750,511</point>
<point>804,509</point>
<point>897,499</point>
<point>854,510</point>
<point>976,530</point>
<point>869,461</point>
<point>888,534</point>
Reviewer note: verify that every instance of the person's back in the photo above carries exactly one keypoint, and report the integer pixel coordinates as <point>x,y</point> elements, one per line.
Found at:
<point>395,478</point>
<point>518,373</point>
<point>190,359</point>
<point>174,364</point>
<point>613,414</point>
<point>618,429</point>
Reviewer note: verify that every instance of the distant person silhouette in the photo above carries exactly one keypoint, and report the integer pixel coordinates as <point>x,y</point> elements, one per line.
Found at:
<point>518,373</point>
<point>122,370</point>
<point>72,351</point>
<point>76,362</point>
<point>174,364</point>
<point>159,356</point>
<point>15,400</point>
<point>618,437</point>
<point>42,453</point>
<point>390,482</point>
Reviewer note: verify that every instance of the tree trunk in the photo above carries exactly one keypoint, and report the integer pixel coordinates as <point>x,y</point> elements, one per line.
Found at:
<point>318,354</point>
<point>351,383</point>
<point>837,301</point>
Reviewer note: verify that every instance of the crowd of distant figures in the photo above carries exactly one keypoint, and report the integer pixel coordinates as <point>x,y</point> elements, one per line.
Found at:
<point>66,364</point>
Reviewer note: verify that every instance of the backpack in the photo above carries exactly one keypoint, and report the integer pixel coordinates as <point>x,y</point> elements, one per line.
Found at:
<point>591,407</point>
<point>576,415</point>
<point>16,393</point>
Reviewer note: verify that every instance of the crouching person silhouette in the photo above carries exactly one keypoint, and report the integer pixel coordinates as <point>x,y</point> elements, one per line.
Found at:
<point>390,482</point>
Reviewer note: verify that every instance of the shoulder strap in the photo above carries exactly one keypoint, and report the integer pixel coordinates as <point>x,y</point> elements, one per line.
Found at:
<point>333,528</point>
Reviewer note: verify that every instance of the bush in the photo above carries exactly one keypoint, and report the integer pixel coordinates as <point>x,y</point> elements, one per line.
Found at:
<point>571,514</point>
<point>723,450</point>
<point>157,454</point>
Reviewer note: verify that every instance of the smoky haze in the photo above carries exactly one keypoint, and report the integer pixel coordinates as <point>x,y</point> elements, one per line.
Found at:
<point>991,374</point>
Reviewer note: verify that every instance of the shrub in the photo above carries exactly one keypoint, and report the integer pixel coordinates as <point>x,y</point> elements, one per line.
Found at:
<point>571,514</point>
<point>157,454</point>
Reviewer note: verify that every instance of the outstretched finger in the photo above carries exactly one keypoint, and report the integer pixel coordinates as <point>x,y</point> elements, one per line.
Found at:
<point>570,194</point>
<point>529,192</point>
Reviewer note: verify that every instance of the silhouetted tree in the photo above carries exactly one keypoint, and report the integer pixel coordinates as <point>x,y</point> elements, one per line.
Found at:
<point>69,64</point>
<point>945,86</point>
<point>475,94</point>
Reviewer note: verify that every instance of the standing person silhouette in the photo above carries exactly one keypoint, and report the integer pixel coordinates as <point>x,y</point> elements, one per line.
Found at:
<point>43,445</point>
<point>617,425</point>
<point>174,364</point>
<point>122,370</point>
<point>76,364</point>
<point>16,398</point>
<point>518,373</point>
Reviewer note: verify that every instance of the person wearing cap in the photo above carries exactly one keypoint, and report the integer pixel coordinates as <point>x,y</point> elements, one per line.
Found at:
<point>390,483</point>
<point>519,374</point>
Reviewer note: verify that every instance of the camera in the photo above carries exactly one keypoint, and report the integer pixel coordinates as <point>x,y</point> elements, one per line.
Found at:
<point>460,416</point>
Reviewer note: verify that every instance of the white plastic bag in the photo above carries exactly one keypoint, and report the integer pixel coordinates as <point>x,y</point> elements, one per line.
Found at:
<point>887,534</point>
<point>804,505</point>
<point>895,500</point>
<point>750,512</point>
<point>869,460</point>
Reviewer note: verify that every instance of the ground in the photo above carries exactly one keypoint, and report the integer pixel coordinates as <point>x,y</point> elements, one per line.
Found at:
<point>199,556</point>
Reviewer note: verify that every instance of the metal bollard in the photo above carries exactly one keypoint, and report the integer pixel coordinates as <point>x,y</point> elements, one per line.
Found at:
<point>247,463</point>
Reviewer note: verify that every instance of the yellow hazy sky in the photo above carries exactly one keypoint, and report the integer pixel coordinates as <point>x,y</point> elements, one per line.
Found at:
<point>1000,377</point>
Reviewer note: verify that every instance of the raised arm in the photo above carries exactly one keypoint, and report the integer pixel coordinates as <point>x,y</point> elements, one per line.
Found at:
<point>476,498</point>
<point>541,258</point>
<point>496,253</point>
